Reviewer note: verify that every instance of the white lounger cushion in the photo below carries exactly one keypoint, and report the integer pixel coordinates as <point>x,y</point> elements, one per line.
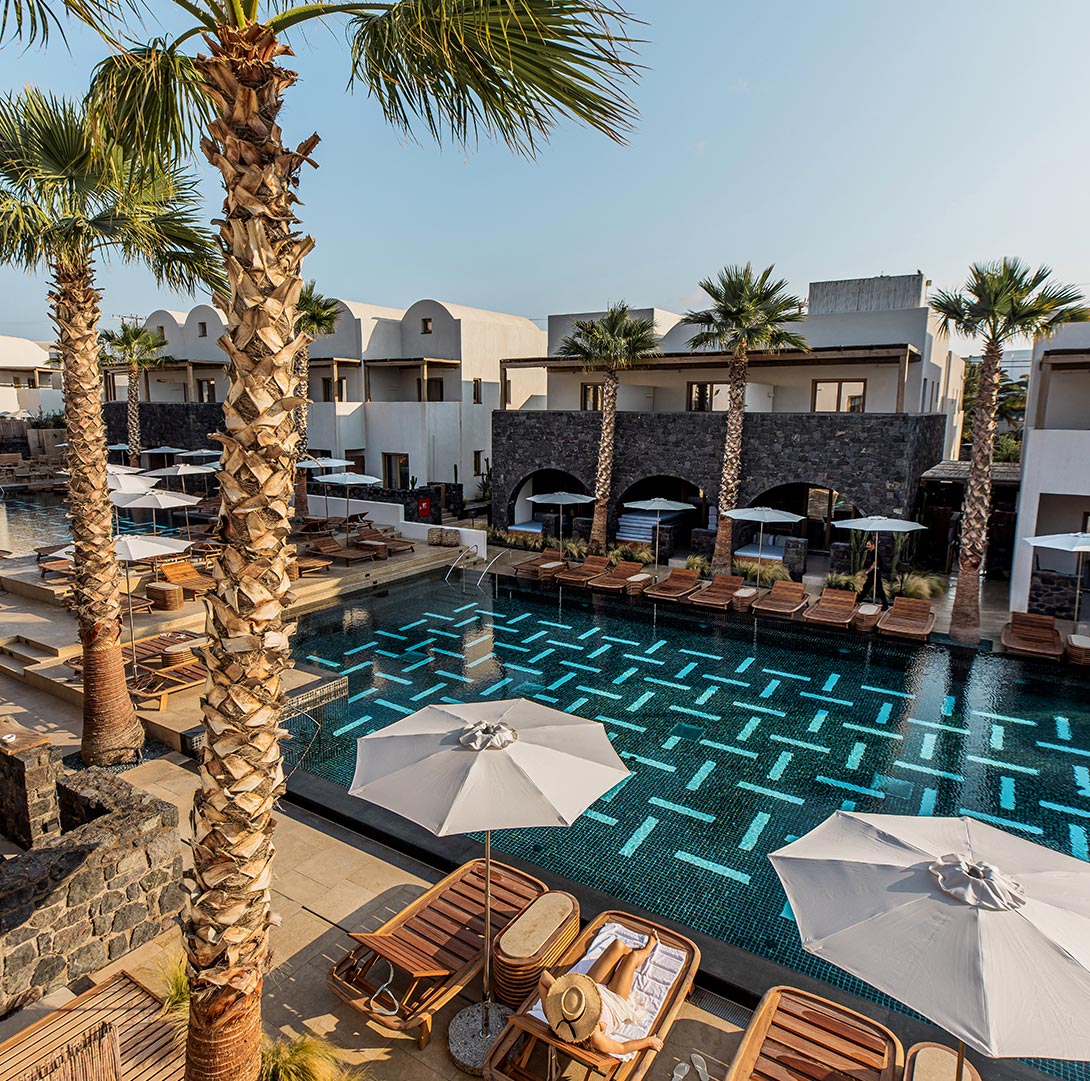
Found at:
<point>549,566</point>
<point>745,591</point>
<point>642,577</point>
<point>653,980</point>
<point>869,609</point>
<point>1079,641</point>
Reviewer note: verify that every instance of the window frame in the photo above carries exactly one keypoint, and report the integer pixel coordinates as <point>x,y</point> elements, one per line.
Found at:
<point>814,383</point>
<point>198,383</point>
<point>478,463</point>
<point>202,330</point>
<point>597,393</point>
<point>711,395</point>
<point>427,325</point>
<point>387,471</point>
<point>478,391</point>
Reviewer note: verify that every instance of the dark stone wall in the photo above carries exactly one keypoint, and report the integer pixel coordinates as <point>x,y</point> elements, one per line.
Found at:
<point>85,897</point>
<point>1052,594</point>
<point>167,424</point>
<point>873,459</point>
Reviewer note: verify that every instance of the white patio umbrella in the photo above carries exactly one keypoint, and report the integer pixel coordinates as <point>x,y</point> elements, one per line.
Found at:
<point>561,500</point>
<point>205,452</point>
<point>482,766</point>
<point>346,481</point>
<point>1067,542</point>
<point>876,524</point>
<point>658,506</point>
<point>118,446</point>
<point>153,501</point>
<point>181,471</point>
<point>322,463</point>
<point>129,482</point>
<point>134,548</point>
<point>115,468</point>
<point>762,516</point>
<point>163,450</point>
<point>985,933</point>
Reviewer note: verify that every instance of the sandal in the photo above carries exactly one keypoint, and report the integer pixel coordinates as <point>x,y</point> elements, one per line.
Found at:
<point>700,1065</point>
<point>680,1070</point>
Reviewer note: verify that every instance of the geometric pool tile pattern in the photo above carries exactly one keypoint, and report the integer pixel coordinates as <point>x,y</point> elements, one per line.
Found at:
<point>739,737</point>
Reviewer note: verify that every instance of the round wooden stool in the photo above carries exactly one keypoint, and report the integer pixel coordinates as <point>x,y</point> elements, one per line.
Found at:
<point>531,943</point>
<point>744,598</point>
<point>164,596</point>
<point>867,617</point>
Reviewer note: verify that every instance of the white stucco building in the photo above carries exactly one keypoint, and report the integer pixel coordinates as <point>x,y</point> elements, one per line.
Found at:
<point>402,392</point>
<point>875,347</point>
<point>29,379</point>
<point>1055,493</point>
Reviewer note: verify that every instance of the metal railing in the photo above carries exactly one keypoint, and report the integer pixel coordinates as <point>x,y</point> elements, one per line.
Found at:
<point>496,557</point>
<point>465,551</point>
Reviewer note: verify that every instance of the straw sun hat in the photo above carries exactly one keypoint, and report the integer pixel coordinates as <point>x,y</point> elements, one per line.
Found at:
<point>573,1006</point>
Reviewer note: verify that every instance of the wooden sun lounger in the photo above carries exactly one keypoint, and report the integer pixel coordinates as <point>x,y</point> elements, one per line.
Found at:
<point>521,1053</point>
<point>784,599</point>
<point>157,685</point>
<point>720,593</point>
<point>391,544</point>
<point>434,947</point>
<point>316,527</point>
<point>590,568</point>
<point>147,649</point>
<point>909,617</point>
<point>1032,636</point>
<point>796,1036</point>
<point>834,608</point>
<point>676,586</point>
<point>331,549</point>
<point>616,579</point>
<point>529,568</point>
<point>183,573</point>
<point>312,565</point>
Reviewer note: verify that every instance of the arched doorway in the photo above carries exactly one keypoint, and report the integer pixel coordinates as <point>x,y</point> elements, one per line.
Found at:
<point>526,517</point>
<point>638,527</point>
<point>819,506</point>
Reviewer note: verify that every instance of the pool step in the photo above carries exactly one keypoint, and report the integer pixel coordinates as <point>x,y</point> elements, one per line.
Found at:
<point>28,652</point>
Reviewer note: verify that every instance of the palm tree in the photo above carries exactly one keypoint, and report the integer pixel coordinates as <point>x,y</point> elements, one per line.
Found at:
<point>315,315</point>
<point>137,348</point>
<point>749,311</point>
<point>999,301</point>
<point>63,204</point>
<point>1010,400</point>
<point>458,68</point>
<point>33,19</point>
<point>608,345</point>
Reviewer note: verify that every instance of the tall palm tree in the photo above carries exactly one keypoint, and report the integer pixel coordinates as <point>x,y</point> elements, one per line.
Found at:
<point>999,301</point>
<point>32,20</point>
<point>458,68</point>
<point>137,348</point>
<point>608,345</point>
<point>63,205</point>
<point>748,311</point>
<point>315,315</point>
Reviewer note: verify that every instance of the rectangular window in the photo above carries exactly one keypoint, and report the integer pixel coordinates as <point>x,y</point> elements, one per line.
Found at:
<point>160,331</point>
<point>507,392</point>
<point>395,470</point>
<point>331,393</point>
<point>478,463</point>
<point>202,330</point>
<point>708,398</point>
<point>590,397</point>
<point>478,392</point>
<point>425,326</point>
<point>434,390</point>
<point>838,396</point>
<point>206,390</point>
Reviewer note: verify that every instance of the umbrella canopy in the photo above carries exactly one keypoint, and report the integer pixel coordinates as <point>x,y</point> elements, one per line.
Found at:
<point>657,506</point>
<point>118,446</point>
<point>130,482</point>
<point>345,481</point>
<point>184,469</point>
<point>985,933</point>
<point>164,450</point>
<point>205,452</point>
<point>136,547</point>
<point>877,524</point>
<point>113,467</point>
<point>487,765</point>
<point>323,463</point>
<point>560,499</point>
<point>764,515</point>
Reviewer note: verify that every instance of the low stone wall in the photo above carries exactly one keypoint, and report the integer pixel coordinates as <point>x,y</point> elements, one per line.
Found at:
<point>83,897</point>
<point>1052,594</point>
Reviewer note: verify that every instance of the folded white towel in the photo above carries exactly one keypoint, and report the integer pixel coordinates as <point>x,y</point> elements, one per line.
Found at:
<point>652,984</point>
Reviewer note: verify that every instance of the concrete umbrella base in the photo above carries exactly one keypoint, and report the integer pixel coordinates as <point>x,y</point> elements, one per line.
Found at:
<point>468,1047</point>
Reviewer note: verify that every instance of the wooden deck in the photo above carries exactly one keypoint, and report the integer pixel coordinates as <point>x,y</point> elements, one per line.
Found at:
<point>148,1048</point>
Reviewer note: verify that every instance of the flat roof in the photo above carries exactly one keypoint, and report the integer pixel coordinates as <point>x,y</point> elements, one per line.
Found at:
<point>888,353</point>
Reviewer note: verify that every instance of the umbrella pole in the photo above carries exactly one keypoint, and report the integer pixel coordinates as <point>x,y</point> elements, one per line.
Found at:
<point>132,632</point>
<point>486,1005</point>
<point>1078,589</point>
<point>874,589</point>
<point>760,549</point>
<point>958,1074</point>
<point>658,522</point>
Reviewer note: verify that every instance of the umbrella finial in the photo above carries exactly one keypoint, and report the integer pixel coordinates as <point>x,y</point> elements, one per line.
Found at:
<point>978,884</point>
<point>488,735</point>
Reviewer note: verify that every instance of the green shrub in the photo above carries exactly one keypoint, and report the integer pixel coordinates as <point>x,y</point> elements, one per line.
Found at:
<point>918,585</point>
<point>631,553</point>
<point>854,582</point>
<point>701,564</point>
<point>765,573</point>
<point>575,548</point>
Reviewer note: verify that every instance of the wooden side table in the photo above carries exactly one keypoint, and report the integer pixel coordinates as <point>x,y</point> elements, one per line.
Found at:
<point>164,596</point>
<point>744,598</point>
<point>867,617</point>
<point>534,940</point>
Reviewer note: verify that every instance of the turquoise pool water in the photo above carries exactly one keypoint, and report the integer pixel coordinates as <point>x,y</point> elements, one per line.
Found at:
<point>740,737</point>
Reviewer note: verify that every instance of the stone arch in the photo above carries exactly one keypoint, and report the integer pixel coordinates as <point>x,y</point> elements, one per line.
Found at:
<point>538,481</point>
<point>805,497</point>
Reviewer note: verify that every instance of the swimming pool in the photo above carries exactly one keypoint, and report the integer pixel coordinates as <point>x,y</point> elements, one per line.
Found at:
<point>26,524</point>
<point>740,737</point>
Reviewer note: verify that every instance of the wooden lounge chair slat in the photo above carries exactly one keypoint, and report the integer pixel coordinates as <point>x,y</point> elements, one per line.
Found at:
<point>441,942</point>
<point>795,1032</point>
<point>781,1045</point>
<point>418,963</point>
<point>838,1025</point>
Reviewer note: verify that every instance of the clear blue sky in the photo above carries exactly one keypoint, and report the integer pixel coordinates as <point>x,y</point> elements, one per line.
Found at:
<point>836,140</point>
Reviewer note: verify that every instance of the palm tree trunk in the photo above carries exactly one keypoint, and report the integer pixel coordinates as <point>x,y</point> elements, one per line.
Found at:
<point>976,506</point>
<point>133,415</point>
<point>730,479</point>
<point>112,732</point>
<point>603,481</point>
<point>302,390</point>
<point>226,929</point>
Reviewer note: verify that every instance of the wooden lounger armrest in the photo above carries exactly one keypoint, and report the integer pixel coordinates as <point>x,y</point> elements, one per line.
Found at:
<point>586,1056</point>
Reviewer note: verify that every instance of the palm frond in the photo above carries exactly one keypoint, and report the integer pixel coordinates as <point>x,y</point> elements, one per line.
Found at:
<point>149,97</point>
<point>508,68</point>
<point>33,20</point>
<point>316,314</point>
<point>615,341</point>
